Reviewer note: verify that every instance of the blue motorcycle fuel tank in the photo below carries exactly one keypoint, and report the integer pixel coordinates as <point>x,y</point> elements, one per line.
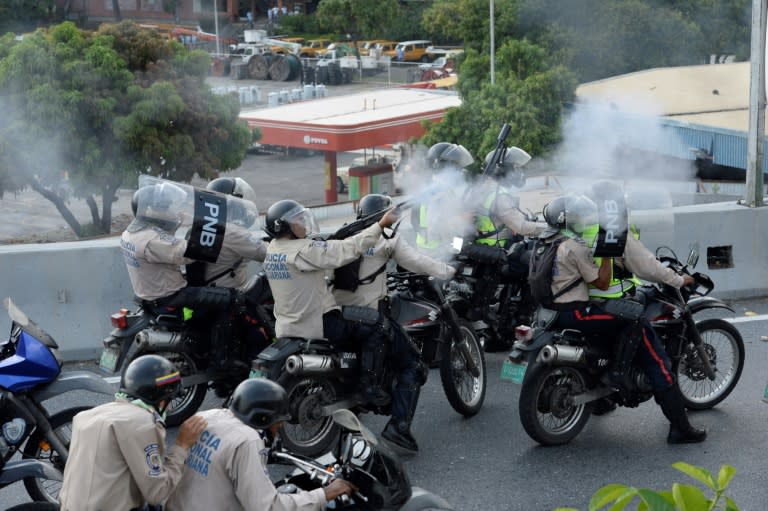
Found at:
<point>27,362</point>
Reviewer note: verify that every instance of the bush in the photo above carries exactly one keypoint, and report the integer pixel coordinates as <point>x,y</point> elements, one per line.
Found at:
<point>683,497</point>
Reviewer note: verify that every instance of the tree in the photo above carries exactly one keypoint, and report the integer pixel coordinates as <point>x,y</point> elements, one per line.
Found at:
<point>22,15</point>
<point>101,108</point>
<point>468,21</point>
<point>529,94</point>
<point>356,18</point>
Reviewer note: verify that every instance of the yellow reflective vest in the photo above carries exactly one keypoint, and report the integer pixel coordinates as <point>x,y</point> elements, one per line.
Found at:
<point>622,281</point>
<point>422,238</point>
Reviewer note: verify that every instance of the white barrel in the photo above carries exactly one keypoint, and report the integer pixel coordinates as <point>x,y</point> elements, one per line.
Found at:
<point>232,89</point>
<point>245,96</point>
<point>284,96</point>
<point>296,94</point>
<point>320,90</point>
<point>309,91</point>
<point>255,94</point>
<point>273,99</point>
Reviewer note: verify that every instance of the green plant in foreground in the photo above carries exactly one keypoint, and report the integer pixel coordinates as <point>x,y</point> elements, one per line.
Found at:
<point>683,497</point>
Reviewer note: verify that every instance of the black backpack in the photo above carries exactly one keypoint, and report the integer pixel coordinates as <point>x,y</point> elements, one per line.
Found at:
<point>347,277</point>
<point>540,271</point>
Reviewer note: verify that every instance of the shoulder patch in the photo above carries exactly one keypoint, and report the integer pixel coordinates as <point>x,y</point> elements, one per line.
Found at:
<point>319,243</point>
<point>154,460</point>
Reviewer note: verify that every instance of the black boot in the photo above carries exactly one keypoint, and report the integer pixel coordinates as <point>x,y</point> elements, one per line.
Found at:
<point>398,429</point>
<point>680,430</point>
<point>617,375</point>
<point>399,433</point>
<point>371,371</point>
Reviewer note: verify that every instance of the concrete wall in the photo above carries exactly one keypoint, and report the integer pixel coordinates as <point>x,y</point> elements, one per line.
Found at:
<point>71,289</point>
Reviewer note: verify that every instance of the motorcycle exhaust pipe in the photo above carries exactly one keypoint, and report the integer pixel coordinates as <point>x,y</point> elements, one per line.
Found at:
<point>158,338</point>
<point>309,364</point>
<point>562,355</point>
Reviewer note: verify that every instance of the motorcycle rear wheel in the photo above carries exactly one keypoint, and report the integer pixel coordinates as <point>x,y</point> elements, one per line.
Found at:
<point>465,393</point>
<point>38,448</point>
<point>308,432</point>
<point>186,404</point>
<point>546,411</point>
<point>725,347</point>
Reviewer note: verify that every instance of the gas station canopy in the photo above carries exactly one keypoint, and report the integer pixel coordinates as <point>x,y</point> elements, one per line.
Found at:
<point>349,122</point>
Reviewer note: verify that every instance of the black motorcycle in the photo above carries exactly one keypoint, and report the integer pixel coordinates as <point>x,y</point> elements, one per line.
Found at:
<point>560,369</point>
<point>362,459</point>
<point>493,294</point>
<point>187,345</point>
<point>320,378</point>
<point>30,374</point>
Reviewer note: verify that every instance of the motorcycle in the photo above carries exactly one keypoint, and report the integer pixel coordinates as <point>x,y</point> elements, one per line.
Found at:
<point>560,369</point>
<point>30,373</point>
<point>319,378</point>
<point>494,297</point>
<point>362,459</point>
<point>186,344</point>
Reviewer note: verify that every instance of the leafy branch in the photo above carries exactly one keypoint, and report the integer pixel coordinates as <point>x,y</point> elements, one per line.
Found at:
<point>683,497</point>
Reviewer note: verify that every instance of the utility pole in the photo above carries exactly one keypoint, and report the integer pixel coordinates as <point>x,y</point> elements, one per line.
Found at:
<point>757,94</point>
<point>216,26</point>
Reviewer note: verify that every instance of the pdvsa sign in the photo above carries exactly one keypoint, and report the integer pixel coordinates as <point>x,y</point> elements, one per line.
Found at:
<point>315,140</point>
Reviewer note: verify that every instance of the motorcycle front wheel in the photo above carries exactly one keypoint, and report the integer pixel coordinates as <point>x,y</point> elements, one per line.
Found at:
<point>189,399</point>
<point>309,432</point>
<point>38,448</point>
<point>465,392</point>
<point>725,347</point>
<point>546,406</point>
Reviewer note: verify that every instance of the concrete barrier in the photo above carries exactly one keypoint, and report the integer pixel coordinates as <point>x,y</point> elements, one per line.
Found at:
<point>71,289</point>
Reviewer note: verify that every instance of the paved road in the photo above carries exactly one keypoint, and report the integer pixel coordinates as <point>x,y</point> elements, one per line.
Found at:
<point>489,463</point>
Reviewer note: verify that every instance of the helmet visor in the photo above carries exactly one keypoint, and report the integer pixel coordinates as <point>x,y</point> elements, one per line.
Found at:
<point>302,222</point>
<point>457,156</point>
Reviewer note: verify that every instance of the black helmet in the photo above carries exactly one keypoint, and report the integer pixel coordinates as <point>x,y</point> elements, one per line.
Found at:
<point>373,203</point>
<point>152,379</point>
<point>235,186</point>
<point>554,213</point>
<point>286,215</point>
<point>260,403</point>
<point>444,154</point>
<point>510,167</point>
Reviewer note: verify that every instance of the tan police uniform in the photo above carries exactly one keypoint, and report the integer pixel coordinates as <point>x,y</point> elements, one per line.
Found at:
<point>240,246</point>
<point>574,261</point>
<point>504,210</point>
<point>368,295</point>
<point>118,461</point>
<point>640,261</point>
<point>296,272</point>
<point>153,258</point>
<point>226,470</point>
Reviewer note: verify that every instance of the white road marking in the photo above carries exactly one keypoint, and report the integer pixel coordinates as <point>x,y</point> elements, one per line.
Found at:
<point>747,319</point>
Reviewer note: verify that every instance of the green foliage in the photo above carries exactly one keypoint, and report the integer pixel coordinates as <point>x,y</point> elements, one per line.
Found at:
<point>683,497</point>
<point>528,94</point>
<point>358,18</point>
<point>299,24</point>
<point>407,25</point>
<point>468,21</point>
<point>22,15</point>
<point>103,107</point>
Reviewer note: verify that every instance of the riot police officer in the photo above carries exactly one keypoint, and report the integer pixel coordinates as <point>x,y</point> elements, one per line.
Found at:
<point>574,272</point>
<point>370,288</point>
<point>304,306</point>
<point>227,468</point>
<point>153,256</point>
<point>117,455</point>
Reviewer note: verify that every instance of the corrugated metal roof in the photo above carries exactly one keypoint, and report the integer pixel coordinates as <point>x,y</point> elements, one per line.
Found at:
<point>701,108</point>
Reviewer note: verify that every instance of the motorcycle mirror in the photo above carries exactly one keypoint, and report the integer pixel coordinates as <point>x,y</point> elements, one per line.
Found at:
<point>693,256</point>
<point>457,244</point>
